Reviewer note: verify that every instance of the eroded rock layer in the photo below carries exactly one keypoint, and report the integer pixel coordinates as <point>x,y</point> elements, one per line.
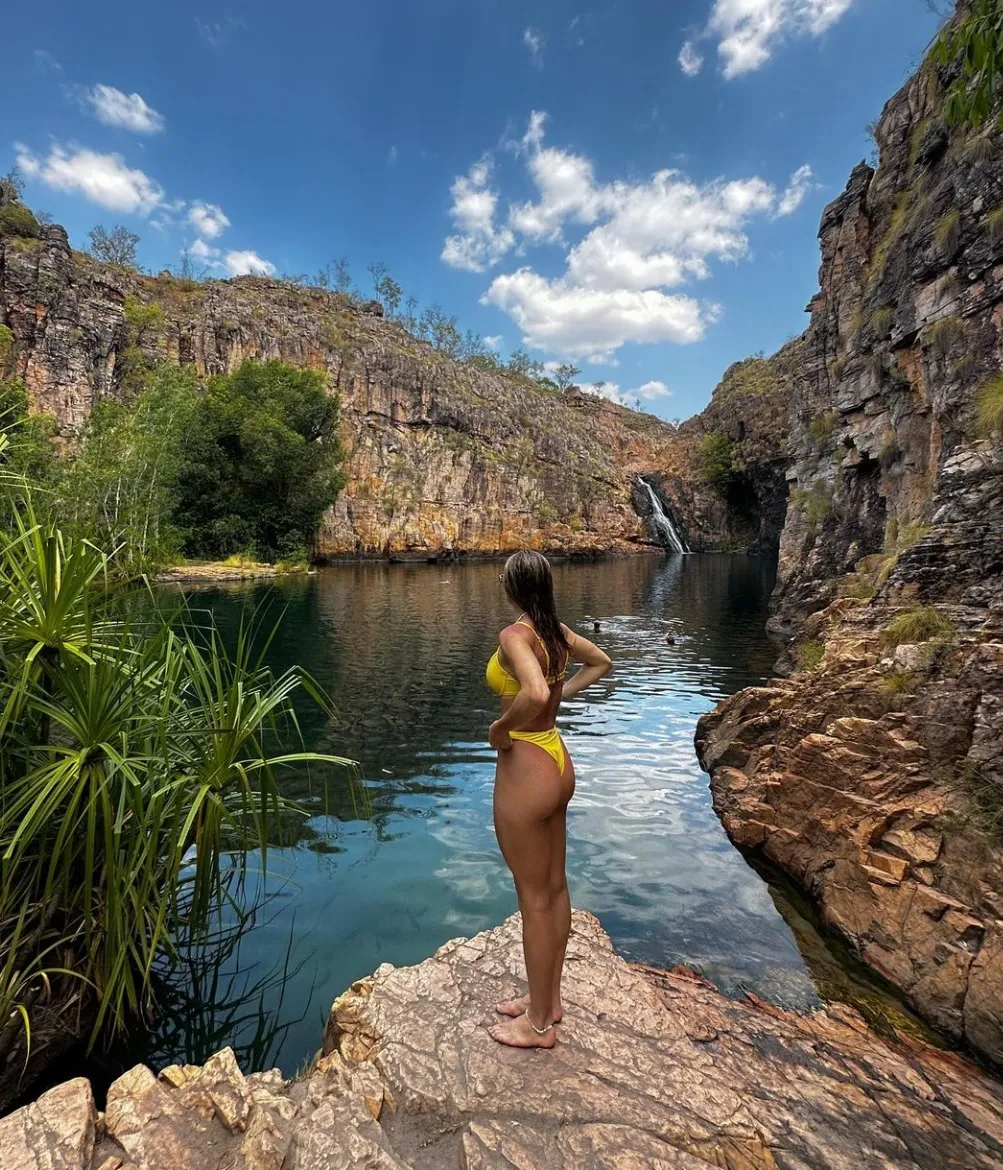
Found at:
<point>874,774</point>
<point>653,1070</point>
<point>442,457</point>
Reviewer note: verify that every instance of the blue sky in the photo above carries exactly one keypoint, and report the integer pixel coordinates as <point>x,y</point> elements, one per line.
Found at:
<point>632,186</point>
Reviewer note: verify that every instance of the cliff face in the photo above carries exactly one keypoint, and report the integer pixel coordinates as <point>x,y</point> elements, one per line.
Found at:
<point>442,458</point>
<point>874,775</point>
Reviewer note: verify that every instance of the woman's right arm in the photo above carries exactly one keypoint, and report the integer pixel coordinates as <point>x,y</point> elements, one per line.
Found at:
<point>596,664</point>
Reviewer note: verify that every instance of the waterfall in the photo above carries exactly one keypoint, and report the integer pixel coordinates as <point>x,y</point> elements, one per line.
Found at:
<point>663,521</point>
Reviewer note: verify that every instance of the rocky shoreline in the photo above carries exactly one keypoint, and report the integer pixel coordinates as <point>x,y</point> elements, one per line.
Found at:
<point>654,1070</point>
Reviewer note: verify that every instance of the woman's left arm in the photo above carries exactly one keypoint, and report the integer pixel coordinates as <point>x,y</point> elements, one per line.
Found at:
<point>534,693</point>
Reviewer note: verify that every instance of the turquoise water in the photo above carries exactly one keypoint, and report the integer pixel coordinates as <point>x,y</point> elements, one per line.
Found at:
<point>402,649</point>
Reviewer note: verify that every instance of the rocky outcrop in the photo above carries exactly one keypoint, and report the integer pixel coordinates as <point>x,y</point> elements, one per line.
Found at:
<point>653,1069</point>
<point>874,773</point>
<point>443,457</point>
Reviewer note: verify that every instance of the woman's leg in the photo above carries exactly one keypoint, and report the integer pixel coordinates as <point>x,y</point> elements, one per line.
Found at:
<point>528,791</point>
<point>559,881</point>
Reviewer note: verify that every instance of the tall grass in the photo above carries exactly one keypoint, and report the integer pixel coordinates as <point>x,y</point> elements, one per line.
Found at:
<point>140,763</point>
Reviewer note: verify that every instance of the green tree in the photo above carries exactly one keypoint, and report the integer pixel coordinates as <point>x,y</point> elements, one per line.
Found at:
<point>441,330</point>
<point>262,463</point>
<point>388,291</point>
<point>120,489</point>
<point>565,376</point>
<point>117,246</point>
<point>975,43</point>
<point>717,459</point>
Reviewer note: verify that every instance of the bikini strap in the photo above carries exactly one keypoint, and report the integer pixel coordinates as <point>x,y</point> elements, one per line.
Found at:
<point>532,630</point>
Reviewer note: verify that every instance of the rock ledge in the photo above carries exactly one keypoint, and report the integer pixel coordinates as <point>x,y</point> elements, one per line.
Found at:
<point>654,1070</point>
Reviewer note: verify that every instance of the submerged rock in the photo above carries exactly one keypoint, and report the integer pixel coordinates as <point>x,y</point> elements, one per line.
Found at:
<point>654,1070</point>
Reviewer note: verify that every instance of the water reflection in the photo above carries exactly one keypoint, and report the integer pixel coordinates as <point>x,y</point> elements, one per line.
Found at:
<point>402,650</point>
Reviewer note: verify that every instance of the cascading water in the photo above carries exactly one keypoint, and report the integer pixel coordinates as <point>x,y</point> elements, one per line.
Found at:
<point>663,521</point>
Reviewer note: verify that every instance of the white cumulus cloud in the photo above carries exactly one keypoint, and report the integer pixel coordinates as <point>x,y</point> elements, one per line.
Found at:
<point>126,110</point>
<point>478,243</point>
<point>802,181</point>
<point>208,219</point>
<point>203,251</point>
<point>637,242</point>
<point>576,322</point>
<point>247,263</point>
<point>746,31</point>
<point>652,391</point>
<point>102,178</point>
<point>494,342</point>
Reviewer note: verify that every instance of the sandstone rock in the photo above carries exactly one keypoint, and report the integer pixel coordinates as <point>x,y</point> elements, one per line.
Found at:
<point>654,1070</point>
<point>56,1132</point>
<point>873,816</point>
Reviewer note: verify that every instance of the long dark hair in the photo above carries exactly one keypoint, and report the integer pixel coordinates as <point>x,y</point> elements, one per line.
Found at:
<point>530,585</point>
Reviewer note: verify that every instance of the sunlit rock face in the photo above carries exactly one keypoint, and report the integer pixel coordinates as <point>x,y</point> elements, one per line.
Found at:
<point>443,458</point>
<point>652,1069</point>
<point>874,775</point>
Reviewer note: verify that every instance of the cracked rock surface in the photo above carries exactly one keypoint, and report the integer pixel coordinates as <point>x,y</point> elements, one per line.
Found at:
<point>653,1070</point>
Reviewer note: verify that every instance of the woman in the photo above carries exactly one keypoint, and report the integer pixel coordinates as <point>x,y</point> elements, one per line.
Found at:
<point>534,782</point>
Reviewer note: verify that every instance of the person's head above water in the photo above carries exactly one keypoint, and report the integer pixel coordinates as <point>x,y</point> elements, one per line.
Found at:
<point>529,585</point>
<point>596,626</point>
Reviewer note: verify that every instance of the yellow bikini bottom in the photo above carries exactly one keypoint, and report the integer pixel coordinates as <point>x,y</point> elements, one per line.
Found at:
<point>550,741</point>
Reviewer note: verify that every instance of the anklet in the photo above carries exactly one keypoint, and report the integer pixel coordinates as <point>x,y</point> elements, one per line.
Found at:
<point>538,1031</point>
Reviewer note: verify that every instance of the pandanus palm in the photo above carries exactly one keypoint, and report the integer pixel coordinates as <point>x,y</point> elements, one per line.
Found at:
<point>139,766</point>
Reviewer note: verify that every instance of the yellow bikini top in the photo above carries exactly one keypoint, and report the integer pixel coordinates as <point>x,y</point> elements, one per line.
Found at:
<point>507,685</point>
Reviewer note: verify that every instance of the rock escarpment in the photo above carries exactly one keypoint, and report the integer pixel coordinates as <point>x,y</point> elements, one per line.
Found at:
<point>443,457</point>
<point>653,1070</point>
<point>874,775</point>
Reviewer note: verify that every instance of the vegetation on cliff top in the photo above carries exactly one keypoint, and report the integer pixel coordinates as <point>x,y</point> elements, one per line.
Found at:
<point>975,44</point>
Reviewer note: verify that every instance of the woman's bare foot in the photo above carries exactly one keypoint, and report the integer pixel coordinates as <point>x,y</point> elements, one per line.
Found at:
<point>520,1033</point>
<point>519,1007</point>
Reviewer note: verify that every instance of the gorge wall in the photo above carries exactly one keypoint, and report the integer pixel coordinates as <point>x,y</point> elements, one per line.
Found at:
<point>443,457</point>
<point>874,773</point>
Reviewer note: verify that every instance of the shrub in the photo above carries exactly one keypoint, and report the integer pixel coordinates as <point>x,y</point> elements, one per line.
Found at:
<point>922,624</point>
<point>6,346</point>
<point>717,457</point>
<point>947,233</point>
<point>809,654</point>
<point>822,428</point>
<point>859,587</point>
<point>876,364</point>
<point>141,317</point>
<point>995,221</point>
<point>909,534</point>
<point>898,682</point>
<point>815,504</point>
<point>978,150</point>
<point>943,334</point>
<point>546,514</point>
<point>881,320</point>
<point>962,366</point>
<point>128,738</point>
<point>16,220</point>
<point>989,406</point>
